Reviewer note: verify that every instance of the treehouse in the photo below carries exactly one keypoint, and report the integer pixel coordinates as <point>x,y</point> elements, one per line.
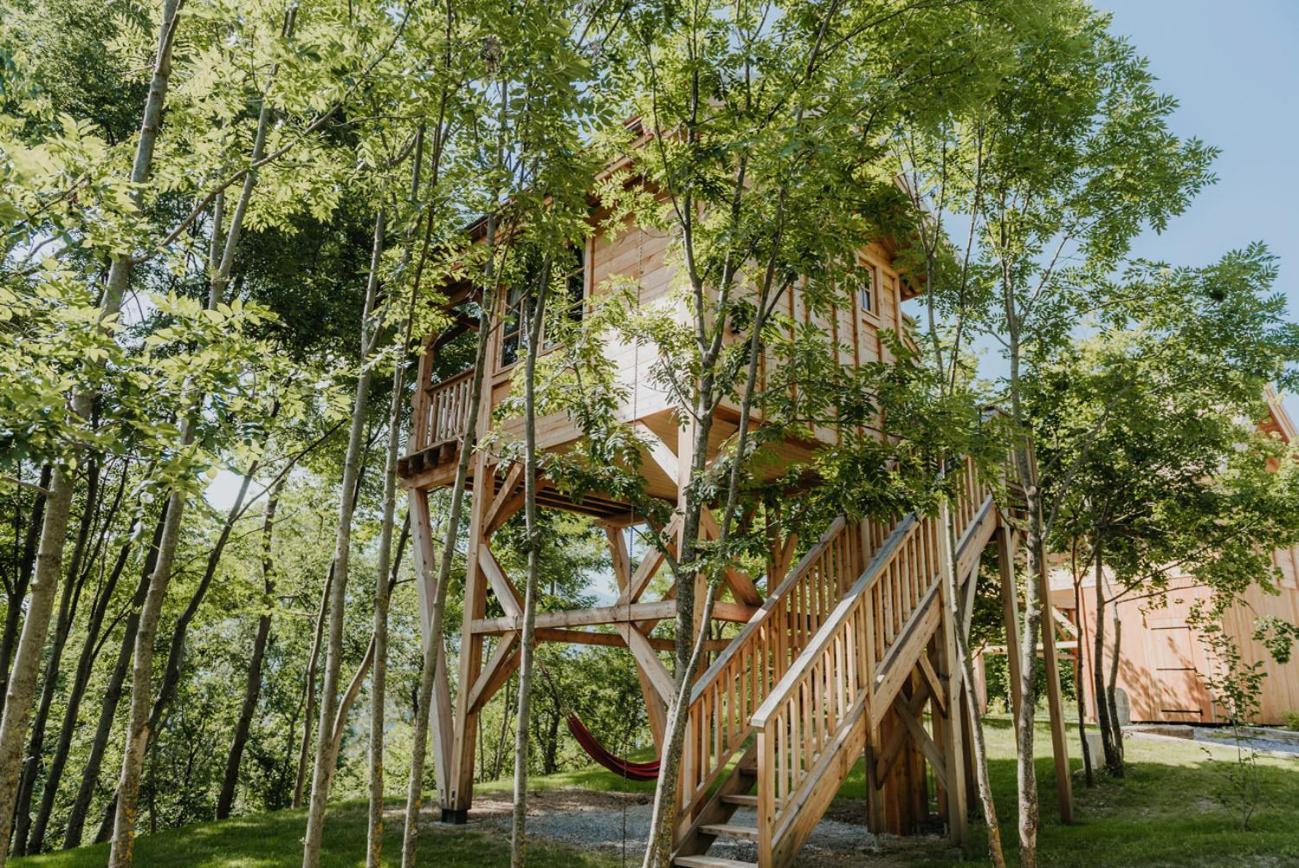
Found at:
<point>844,650</point>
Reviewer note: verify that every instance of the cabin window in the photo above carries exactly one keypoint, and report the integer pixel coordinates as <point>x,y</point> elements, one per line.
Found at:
<point>866,292</point>
<point>511,326</point>
<point>573,301</point>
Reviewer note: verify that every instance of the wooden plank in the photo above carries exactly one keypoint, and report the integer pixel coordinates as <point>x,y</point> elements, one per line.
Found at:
<point>935,683</point>
<point>500,665</point>
<point>927,746</point>
<point>648,662</point>
<point>506,594</point>
<point>616,614</point>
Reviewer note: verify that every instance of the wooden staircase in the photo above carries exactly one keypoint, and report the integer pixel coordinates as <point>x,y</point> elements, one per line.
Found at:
<point>784,713</point>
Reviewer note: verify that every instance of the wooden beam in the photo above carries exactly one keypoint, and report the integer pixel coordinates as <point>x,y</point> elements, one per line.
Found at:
<point>649,565</point>
<point>659,452</point>
<point>441,728</point>
<point>500,665</point>
<point>506,594</point>
<point>613,640</point>
<point>503,496</point>
<point>648,662</point>
<point>927,746</point>
<point>934,682</point>
<point>616,614</point>
<point>740,583</point>
<point>655,702</point>
<point>913,706</point>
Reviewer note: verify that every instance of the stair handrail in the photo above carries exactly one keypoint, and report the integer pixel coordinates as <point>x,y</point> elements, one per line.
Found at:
<point>725,696</point>
<point>846,652</point>
<point>792,577</point>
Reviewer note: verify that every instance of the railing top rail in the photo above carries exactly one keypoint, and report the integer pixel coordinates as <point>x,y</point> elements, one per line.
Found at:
<point>451,380</point>
<point>774,597</point>
<point>832,622</point>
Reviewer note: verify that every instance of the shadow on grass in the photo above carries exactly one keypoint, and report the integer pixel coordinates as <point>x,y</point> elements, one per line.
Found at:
<point>275,839</point>
<point>1168,810</point>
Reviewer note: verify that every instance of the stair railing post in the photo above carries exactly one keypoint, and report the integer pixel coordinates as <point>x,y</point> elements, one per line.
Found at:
<point>766,795</point>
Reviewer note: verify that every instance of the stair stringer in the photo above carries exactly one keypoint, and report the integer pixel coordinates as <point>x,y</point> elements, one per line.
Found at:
<point>694,841</point>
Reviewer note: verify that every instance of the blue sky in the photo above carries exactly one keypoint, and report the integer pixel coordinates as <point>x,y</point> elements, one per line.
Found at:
<point>1234,69</point>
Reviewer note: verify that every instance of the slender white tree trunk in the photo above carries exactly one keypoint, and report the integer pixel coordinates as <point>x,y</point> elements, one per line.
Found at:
<point>325,758</point>
<point>527,642</point>
<point>49,559</point>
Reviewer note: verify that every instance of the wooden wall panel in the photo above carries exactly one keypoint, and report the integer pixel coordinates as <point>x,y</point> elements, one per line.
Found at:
<point>642,258</point>
<point>1164,664</point>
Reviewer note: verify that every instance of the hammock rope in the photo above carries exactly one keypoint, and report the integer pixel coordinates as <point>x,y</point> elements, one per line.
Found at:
<point>632,771</point>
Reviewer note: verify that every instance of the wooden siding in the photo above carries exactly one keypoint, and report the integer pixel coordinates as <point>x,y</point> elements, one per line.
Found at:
<point>1164,665</point>
<point>641,258</point>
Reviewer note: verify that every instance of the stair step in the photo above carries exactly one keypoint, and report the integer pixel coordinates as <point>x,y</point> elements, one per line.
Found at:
<point>712,862</point>
<point>731,830</point>
<point>742,800</point>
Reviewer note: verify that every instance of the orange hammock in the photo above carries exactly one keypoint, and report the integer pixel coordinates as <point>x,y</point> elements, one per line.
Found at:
<point>632,771</point>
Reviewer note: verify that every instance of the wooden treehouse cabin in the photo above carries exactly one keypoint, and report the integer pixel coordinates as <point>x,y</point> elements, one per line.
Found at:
<point>843,650</point>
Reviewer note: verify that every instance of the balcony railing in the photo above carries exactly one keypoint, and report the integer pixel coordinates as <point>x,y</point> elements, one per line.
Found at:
<point>444,413</point>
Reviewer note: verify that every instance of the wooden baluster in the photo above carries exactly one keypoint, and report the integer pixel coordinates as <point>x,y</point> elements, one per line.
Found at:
<point>766,795</point>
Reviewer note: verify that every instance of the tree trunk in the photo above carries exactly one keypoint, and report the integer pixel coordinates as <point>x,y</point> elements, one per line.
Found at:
<point>49,558</point>
<point>323,770</point>
<point>112,696</point>
<point>1116,725</point>
<point>90,650</point>
<point>966,663</point>
<point>527,641</point>
<point>382,589</point>
<point>1113,762</point>
<point>309,691</point>
<point>1080,680</point>
<point>141,720</point>
<point>433,656</point>
<point>68,600</point>
<point>1026,772</point>
<point>15,594</point>
<point>253,683</point>
<point>180,631</point>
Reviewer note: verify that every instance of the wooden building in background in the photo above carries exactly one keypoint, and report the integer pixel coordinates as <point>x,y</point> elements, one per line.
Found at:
<point>1163,663</point>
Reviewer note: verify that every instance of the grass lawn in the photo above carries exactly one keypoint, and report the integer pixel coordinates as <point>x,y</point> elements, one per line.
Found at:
<point>266,840</point>
<point>1165,812</point>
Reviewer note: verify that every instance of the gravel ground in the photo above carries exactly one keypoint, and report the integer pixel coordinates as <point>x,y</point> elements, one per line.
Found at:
<point>589,819</point>
<point>1212,735</point>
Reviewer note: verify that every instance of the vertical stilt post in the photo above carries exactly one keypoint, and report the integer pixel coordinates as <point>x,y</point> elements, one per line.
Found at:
<point>440,725</point>
<point>1009,613</point>
<point>1055,702</point>
<point>655,709</point>
<point>953,741</point>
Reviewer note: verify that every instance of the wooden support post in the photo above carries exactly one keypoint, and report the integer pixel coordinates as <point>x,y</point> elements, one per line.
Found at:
<point>1009,612</point>
<point>471,645</point>
<point>441,731</point>
<point>655,707</point>
<point>1055,701</point>
<point>952,730</point>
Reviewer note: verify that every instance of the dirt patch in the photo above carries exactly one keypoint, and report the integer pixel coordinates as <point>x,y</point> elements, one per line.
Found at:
<point>618,823</point>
